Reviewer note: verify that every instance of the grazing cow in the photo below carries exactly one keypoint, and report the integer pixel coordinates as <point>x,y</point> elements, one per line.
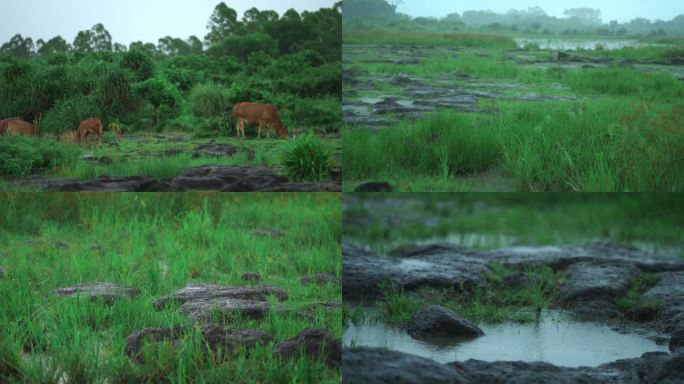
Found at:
<point>263,115</point>
<point>3,124</point>
<point>18,127</point>
<point>88,126</point>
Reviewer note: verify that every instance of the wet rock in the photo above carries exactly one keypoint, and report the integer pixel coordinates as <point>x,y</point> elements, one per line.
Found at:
<point>403,80</point>
<point>437,320</point>
<point>108,292</point>
<point>242,179</point>
<point>269,232</point>
<point>320,278</point>
<point>677,338</point>
<point>650,368</point>
<point>205,309</point>
<point>382,366</point>
<point>381,186</point>
<point>213,150</point>
<point>251,276</point>
<point>562,56</point>
<point>215,337</point>
<point>590,282</point>
<point>99,184</point>
<point>667,295</point>
<point>598,252</point>
<point>173,151</point>
<point>62,244</point>
<point>314,343</point>
<point>202,291</point>
<point>362,273</point>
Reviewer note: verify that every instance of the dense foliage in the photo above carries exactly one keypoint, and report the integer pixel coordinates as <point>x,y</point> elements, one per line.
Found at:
<point>287,60</point>
<point>20,156</point>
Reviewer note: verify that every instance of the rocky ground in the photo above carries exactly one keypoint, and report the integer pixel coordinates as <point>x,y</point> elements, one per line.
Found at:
<point>598,273</point>
<point>374,100</point>
<point>211,307</point>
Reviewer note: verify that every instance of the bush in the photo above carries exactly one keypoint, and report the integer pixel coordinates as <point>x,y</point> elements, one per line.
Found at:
<point>115,94</point>
<point>239,93</point>
<point>324,112</point>
<point>20,156</point>
<point>306,159</point>
<point>163,96</point>
<point>139,63</point>
<point>67,114</point>
<point>209,100</point>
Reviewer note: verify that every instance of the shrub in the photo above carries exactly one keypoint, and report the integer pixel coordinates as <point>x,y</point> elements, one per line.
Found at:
<point>163,96</point>
<point>67,114</point>
<point>114,93</point>
<point>20,156</point>
<point>324,112</point>
<point>306,159</point>
<point>140,63</point>
<point>240,93</point>
<point>209,100</point>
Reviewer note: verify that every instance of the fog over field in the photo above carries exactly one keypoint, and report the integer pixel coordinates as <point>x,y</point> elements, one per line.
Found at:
<point>620,10</point>
<point>127,20</point>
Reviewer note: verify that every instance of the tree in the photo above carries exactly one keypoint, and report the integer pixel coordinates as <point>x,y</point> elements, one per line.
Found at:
<point>18,46</point>
<point>587,16</point>
<point>97,39</point>
<point>171,46</point>
<point>55,45</point>
<point>368,9</point>
<point>222,23</point>
<point>195,44</point>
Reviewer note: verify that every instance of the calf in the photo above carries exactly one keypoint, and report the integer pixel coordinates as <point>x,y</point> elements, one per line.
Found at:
<point>17,126</point>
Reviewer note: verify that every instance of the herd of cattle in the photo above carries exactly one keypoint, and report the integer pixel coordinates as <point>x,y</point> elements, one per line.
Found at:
<point>265,116</point>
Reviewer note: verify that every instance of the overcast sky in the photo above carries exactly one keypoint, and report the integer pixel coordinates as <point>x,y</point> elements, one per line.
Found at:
<point>126,20</point>
<point>622,10</point>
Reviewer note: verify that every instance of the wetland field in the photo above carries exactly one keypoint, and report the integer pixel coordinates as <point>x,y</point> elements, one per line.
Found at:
<point>428,110</point>
<point>514,288</point>
<point>177,288</point>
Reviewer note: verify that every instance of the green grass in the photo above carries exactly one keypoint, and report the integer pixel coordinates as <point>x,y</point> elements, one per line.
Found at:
<point>157,242</point>
<point>493,220</point>
<point>633,297</point>
<point>604,145</point>
<point>498,302</point>
<point>428,38</point>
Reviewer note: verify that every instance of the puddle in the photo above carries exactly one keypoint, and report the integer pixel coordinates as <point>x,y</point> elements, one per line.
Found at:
<point>570,44</point>
<point>555,339</point>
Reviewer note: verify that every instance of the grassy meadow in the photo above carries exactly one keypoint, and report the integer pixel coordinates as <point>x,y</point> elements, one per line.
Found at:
<point>543,125</point>
<point>158,243</point>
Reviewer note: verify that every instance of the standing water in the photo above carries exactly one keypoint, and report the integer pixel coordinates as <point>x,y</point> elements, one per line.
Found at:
<point>553,339</point>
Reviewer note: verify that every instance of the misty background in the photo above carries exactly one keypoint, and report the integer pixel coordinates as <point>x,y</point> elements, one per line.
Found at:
<point>633,18</point>
<point>29,24</point>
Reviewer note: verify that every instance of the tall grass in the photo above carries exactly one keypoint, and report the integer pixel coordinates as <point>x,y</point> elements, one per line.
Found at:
<point>448,143</point>
<point>157,242</point>
<point>605,144</point>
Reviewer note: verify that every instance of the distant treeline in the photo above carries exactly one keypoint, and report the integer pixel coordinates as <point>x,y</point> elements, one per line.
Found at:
<point>292,60</point>
<point>378,14</point>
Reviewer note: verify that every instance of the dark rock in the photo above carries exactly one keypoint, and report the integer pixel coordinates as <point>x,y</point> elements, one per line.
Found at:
<point>650,368</point>
<point>588,66</point>
<point>201,291</point>
<point>215,337</point>
<point>590,282</point>
<point>173,151</point>
<point>251,276</point>
<point>320,278</point>
<point>362,273</point>
<point>62,244</point>
<point>99,184</point>
<point>108,292</point>
<point>269,232</point>
<point>198,183</point>
<point>437,320</point>
<point>314,343</point>
<point>382,366</point>
<point>381,186</point>
<point>205,309</point>
<point>677,338</point>
<point>213,150</point>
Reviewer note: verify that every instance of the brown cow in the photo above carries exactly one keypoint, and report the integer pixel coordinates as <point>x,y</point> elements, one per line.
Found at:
<point>3,124</point>
<point>19,127</point>
<point>264,115</point>
<point>91,125</point>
